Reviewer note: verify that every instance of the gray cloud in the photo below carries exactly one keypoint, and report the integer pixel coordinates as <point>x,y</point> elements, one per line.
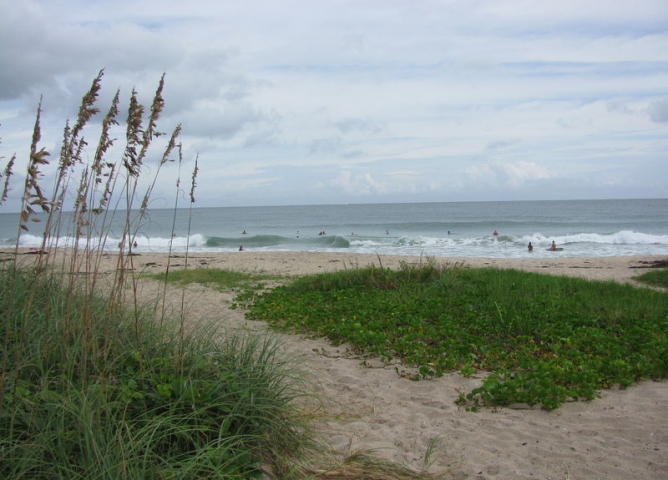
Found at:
<point>222,121</point>
<point>326,146</point>
<point>359,125</point>
<point>658,110</point>
<point>500,144</point>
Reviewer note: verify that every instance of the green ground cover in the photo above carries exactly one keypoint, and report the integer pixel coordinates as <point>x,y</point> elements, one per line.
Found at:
<point>544,339</point>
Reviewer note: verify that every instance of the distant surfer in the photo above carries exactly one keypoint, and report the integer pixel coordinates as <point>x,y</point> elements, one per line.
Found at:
<point>241,248</point>
<point>530,247</point>
<point>244,232</point>
<point>553,246</point>
<point>496,234</point>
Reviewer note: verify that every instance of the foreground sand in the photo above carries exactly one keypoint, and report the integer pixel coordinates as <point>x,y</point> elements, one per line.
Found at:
<point>622,435</point>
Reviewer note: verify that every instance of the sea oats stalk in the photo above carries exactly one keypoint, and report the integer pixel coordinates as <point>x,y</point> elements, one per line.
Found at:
<point>173,231</point>
<point>6,174</point>
<point>70,156</point>
<point>138,143</point>
<point>32,192</point>
<point>131,234</point>
<point>193,184</point>
<point>60,188</point>
<point>101,187</point>
<point>132,161</point>
<point>33,196</point>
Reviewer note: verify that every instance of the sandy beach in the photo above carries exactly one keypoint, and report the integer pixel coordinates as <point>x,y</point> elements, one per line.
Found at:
<point>622,435</point>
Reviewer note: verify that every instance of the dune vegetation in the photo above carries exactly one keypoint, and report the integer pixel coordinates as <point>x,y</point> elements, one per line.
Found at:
<point>536,339</point>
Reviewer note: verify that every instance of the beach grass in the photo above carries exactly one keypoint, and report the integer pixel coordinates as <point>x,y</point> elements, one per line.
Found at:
<point>225,409</point>
<point>223,280</point>
<point>536,339</point>
<point>655,278</point>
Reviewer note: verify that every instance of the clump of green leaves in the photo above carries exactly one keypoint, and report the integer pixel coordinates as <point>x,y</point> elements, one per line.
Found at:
<point>545,339</point>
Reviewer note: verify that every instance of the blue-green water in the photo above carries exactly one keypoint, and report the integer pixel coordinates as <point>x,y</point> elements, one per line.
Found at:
<point>582,228</point>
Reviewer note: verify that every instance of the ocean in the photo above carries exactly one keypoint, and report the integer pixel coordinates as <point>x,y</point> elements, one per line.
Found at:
<point>583,228</point>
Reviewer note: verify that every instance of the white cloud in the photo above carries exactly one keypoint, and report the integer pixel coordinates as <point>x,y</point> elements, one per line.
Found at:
<point>521,172</point>
<point>359,185</point>
<point>508,175</point>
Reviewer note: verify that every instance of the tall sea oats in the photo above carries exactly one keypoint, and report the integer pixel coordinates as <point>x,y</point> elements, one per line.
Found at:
<point>7,173</point>
<point>87,108</point>
<point>133,133</point>
<point>71,154</point>
<point>32,191</point>
<point>73,142</point>
<point>80,204</point>
<point>105,141</point>
<point>194,181</point>
<point>193,184</point>
<point>165,158</point>
<point>156,109</point>
<point>94,192</point>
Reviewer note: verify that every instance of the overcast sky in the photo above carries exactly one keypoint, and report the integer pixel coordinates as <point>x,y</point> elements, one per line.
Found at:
<point>329,102</point>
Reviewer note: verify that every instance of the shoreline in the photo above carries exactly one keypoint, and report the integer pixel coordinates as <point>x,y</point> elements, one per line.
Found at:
<point>304,263</point>
<point>290,263</point>
<point>621,269</point>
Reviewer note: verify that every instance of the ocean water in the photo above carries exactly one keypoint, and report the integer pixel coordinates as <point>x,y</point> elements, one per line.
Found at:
<point>582,228</point>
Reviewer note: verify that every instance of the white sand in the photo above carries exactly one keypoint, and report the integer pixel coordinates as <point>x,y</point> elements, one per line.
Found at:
<point>622,435</point>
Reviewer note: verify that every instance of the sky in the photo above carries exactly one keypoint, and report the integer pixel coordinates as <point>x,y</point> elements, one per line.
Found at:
<point>331,102</point>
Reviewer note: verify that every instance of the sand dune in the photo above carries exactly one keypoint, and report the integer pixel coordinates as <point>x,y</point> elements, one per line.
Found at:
<point>622,435</point>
